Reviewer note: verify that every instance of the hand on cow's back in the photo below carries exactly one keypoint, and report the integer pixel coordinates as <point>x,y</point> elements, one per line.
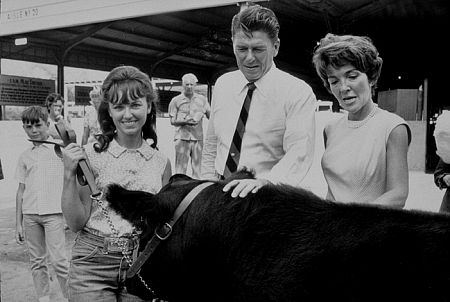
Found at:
<point>241,187</point>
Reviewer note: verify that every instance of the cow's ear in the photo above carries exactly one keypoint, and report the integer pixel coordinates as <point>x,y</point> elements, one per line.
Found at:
<point>129,204</point>
<point>178,177</point>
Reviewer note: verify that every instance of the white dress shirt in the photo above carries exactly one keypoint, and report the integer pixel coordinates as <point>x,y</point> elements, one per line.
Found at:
<point>278,143</point>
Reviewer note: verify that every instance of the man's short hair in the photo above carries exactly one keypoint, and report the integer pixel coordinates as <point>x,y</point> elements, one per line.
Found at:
<point>188,76</point>
<point>256,17</point>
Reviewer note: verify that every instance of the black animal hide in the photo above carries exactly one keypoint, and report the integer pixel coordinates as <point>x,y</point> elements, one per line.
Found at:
<point>286,244</point>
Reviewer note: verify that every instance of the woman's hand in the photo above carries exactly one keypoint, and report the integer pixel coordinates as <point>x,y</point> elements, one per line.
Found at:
<point>72,154</point>
<point>244,186</point>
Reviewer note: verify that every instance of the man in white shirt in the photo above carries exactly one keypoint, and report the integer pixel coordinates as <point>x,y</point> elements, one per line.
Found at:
<point>278,142</point>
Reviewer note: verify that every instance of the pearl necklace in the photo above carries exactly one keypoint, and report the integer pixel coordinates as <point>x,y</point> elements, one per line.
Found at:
<point>357,124</point>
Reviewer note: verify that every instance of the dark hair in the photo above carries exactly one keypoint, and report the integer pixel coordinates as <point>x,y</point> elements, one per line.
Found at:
<point>123,82</point>
<point>338,51</point>
<point>256,17</point>
<point>52,98</point>
<point>33,113</point>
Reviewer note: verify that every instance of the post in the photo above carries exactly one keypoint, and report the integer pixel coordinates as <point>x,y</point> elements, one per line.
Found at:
<point>1,106</point>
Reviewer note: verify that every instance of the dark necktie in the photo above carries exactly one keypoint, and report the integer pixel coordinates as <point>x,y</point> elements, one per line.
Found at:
<point>235,147</point>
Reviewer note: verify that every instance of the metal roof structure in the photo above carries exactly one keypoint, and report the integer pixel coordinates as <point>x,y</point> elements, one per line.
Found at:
<point>407,33</point>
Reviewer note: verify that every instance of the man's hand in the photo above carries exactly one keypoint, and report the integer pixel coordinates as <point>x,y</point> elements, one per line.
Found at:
<point>191,122</point>
<point>244,186</point>
<point>446,180</point>
<point>59,118</point>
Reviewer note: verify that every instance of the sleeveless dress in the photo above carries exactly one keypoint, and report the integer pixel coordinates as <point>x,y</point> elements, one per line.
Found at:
<point>354,161</point>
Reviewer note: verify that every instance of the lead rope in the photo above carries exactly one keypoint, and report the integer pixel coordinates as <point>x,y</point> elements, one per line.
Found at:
<point>121,244</point>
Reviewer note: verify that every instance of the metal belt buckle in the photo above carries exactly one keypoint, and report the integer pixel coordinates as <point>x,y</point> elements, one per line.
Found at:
<point>115,244</point>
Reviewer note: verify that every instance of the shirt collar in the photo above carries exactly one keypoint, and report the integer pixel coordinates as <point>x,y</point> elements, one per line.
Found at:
<point>48,146</point>
<point>145,150</point>
<point>185,98</point>
<point>263,84</point>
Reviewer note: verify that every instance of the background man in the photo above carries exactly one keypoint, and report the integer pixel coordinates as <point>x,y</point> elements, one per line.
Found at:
<point>186,114</point>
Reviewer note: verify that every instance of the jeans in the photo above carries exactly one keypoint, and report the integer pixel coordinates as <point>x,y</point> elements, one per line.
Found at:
<point>97,271</point>
<point>45,233</point>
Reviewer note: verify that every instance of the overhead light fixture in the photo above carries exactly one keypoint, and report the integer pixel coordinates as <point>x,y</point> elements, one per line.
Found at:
<point>21,41</point>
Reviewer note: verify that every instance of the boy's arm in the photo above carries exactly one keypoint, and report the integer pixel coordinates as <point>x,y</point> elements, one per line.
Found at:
<point>19,214</point>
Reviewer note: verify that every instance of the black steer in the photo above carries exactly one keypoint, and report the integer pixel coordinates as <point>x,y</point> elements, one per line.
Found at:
<point>286,244</point>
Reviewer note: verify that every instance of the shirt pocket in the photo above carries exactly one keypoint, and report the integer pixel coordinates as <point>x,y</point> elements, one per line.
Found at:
<point>183,111</point>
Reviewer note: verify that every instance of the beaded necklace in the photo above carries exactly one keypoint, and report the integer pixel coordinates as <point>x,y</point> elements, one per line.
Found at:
<point>357,124</point>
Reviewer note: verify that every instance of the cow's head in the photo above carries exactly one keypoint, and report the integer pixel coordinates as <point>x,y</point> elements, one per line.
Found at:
<point>148,211</point>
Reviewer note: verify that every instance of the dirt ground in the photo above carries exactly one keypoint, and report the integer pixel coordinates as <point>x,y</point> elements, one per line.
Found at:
<point>16,281</point>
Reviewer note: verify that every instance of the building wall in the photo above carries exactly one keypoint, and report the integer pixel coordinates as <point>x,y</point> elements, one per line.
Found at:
<point>400,101</point>
<point>416,153</point>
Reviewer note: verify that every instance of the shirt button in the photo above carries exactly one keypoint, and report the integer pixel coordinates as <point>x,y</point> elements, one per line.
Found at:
<point>233,154</point>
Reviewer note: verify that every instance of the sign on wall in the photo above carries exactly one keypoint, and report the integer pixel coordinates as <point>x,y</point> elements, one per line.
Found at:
<point>24,91</point>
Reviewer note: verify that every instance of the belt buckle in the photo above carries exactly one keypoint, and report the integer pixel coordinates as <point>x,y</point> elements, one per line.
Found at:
<point>114,244</point>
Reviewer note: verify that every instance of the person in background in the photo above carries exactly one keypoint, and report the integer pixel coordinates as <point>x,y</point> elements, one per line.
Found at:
<point>39,219</point>
<point>278,142</point>
<point>365,158</point>
<point>55,106</point>
<point>186,114</point>
<point>91,126</point>
<point>442,171</point>
<point>125,154</point>
<point>442,181</point>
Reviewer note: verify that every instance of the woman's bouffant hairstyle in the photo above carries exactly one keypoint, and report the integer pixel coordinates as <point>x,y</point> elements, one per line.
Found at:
<point>254,18</point>
<point>337,51</point>
<point>122,83</point>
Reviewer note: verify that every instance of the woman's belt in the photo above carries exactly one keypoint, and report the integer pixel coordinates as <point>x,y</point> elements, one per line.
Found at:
<point>110,243</point>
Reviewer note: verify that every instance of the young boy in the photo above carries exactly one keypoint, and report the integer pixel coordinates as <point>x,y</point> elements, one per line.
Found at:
<point>39,219</point>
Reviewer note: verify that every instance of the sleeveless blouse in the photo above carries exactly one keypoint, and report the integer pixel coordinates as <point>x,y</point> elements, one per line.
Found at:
<point>354,161</point>
<point>134,169</point>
